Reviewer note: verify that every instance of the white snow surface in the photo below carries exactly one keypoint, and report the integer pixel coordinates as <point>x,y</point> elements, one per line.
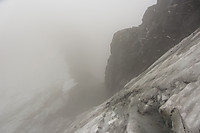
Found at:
<point>163,99</point>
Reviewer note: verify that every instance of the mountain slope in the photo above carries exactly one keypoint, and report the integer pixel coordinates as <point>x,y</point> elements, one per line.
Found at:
<point>133,50</point>
<point>163,98</point>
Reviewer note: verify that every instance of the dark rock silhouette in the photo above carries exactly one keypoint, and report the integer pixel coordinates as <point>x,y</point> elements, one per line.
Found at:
<point>163,99</point>
<point>133,50</point>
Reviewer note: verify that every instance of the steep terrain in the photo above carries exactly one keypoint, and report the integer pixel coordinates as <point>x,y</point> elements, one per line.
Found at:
<point>44,112</point>
<point>133,50</point>
<point>163,99</point>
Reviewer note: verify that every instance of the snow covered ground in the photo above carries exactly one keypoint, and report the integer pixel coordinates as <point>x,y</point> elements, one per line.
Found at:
<point>41,113</point>
<point>165,98</point>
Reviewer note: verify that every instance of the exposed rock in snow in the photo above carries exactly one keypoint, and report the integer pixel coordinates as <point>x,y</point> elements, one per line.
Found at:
<point>163,99</point>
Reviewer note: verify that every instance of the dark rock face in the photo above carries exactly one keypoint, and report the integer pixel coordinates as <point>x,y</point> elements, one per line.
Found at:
<point>163,99</point>
<point>133,50</point>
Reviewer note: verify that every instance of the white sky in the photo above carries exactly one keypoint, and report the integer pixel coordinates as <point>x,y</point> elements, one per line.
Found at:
<point>35,32</point>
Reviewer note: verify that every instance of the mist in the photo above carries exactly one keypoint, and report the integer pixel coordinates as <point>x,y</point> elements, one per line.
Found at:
<point>48,46</point>
<point>79,25</point>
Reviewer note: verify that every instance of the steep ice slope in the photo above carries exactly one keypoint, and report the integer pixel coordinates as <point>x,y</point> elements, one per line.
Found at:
<point>163,99</point>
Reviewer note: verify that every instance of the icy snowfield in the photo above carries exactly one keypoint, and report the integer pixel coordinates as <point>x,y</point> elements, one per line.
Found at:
<point>164,98</point>
<point>33,91</point>
<point>40,113</point>
<point>35,115</point>
<point>33,86</point>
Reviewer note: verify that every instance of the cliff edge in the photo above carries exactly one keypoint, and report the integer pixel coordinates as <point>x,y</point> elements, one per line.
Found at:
<point>157,68</point>
<point>163,99</point>
<point>133,50</point>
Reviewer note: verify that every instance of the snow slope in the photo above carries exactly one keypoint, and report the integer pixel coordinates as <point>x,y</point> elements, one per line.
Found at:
<point>163,99</point>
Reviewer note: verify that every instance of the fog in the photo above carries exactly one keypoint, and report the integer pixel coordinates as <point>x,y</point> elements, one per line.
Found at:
<point>47,45</point>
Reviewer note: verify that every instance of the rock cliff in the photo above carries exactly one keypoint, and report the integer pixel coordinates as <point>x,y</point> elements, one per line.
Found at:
<point>159,93</point>
<point>163,99</point>
<point>133,50</point>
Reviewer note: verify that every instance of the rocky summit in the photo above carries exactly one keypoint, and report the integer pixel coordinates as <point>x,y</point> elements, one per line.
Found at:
<point>134,49</point>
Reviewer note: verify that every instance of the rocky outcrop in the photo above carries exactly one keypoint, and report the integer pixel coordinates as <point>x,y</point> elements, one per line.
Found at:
<point>163,99</point>
<point>133,50</point>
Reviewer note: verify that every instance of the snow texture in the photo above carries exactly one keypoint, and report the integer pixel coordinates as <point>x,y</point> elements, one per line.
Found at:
<point>163,99</point>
